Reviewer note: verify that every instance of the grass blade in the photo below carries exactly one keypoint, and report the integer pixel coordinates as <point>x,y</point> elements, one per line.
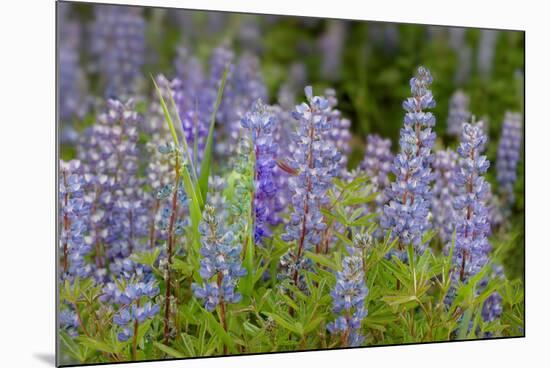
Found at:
<point>207,157</point>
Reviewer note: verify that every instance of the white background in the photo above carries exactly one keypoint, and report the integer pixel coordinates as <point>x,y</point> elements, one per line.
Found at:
<point>27,193</point>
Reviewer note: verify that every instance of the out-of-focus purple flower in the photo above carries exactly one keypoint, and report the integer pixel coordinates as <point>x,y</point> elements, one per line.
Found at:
<point>72,84</point>
<point>457,41</point>
<point>220,261</point>
<point>339,133</point>
<point>458,113</point>
<point>443,194</point>
<point>74,216</point>
<point>486,52</point>
<point>348,298</point>
<point>331,45</point>
<point>509,151</point>
<point>118,46</point>
<point>68,320</point>
<point>406,215</point>
<point>110,157</point>
<point>377,163</point>
<point>296,78</point>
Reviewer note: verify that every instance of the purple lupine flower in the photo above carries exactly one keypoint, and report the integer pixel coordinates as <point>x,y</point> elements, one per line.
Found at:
<point>509,151</point>
<point>486,52</point>
<point>110,156</point>
<point>261,123</point>
<point>377,163</point>
<point>331,45</point>
<point>118,46</point>
<point>348,299</point>
<point>458,113</point>
<point>130,311</point>
<point>68,321</point>
<point>492,306</point>
<point>443,194</point>
<point>471,248</point>
<point>457,41</point>
<point>296,78</point>
<point>339,133</point>
<point>244,88</point>
<point>73,217</point>
<point>220,260</point>
<point>316,162</point>
<point>72,84</point>
<point>406,215</point>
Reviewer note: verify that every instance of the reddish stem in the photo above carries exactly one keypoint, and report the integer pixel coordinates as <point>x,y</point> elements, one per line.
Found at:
<point>171,239</point>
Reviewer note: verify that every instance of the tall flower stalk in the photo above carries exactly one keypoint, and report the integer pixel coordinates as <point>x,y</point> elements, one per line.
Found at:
<point>220,267</point>
<point>443,194</point>
<point>458,113</point>
<point>348,298</point>
<point>406,215</point>
<point>315,160</point>
<point>508,155</point>
<point>74,213</point>
<point>260,122</point>
<point>472,227</point>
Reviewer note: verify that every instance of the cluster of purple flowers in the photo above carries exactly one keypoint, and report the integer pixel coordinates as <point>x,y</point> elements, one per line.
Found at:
<point>471,249</point>
<point>118,45</point>
<point>458,113</point>
<point>339,133</point>
<point>220,260</point>
<point>406,215</point>
<point>316,162</point>
<point>377,164</point>
<point>72,86</point>
<point>114,192</point>
<point>443,194</point>
<point>348,299</point>
<point>261,122</point>
<point>131,311</point>
<point>492,307</point>
<point>73,217</point>
<point>509,150</point>
<point>68,320</point>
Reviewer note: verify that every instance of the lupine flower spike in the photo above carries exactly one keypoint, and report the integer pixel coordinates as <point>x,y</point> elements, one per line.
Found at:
<point>406,215</point>
<point>472,247</point>
<point>508,155</point>
<point>348,298</point>
<point>316,162</point>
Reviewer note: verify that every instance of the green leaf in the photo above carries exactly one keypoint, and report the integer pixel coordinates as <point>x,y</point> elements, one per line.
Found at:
<point>143,329</point>
<point>168,350</point>
<point>464,324</point>
<point>167,116</point>
<point>72,347</point>
<point>285,323</point>
<point>219,331</point>
<point>95,344</point>
<point>207,154</point>
<point>322,260</point>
